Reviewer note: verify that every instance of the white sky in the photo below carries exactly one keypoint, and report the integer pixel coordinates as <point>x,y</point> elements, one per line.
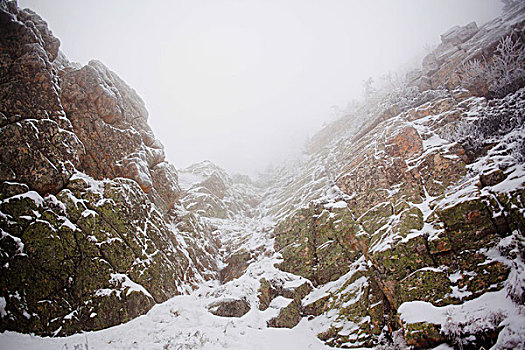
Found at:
<point>243,82</point>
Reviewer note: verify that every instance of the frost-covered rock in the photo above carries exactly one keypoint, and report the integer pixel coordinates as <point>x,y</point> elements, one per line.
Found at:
<point>445,65</point>
<point>402,226</point>
<point>459,34</point>
<point>60,256</point>
<point>210,191</point>
<point>409,207</point>
<point>229,308</point>
<point>45,151</point>
<point>406,212</point>
<point>102,107</point>
<point>92,234</point>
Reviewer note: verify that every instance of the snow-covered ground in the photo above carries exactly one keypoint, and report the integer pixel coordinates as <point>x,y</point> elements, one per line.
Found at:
<point>184,322</point>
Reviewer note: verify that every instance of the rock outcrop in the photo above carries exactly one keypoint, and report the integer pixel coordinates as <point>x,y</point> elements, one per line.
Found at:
<point>421,202</point>
<point>209,190</point>
<point>444,66</point>
<point>101,106</point>
<point>411,201</point>
<point>92,231</point>
<point>229,308</point>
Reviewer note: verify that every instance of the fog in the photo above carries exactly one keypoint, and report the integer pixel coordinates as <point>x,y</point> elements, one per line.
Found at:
<point>244,83</point>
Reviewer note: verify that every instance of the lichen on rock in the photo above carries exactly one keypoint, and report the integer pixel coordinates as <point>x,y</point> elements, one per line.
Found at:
<point>88,205</point>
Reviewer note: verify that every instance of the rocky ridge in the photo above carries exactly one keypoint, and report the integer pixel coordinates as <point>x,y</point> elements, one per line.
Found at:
<point>406,203</point>
<point>396,206</point>
<point>92,230</point>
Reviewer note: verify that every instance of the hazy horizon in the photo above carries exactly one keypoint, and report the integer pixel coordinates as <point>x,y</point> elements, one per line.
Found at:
<point>243,83</point>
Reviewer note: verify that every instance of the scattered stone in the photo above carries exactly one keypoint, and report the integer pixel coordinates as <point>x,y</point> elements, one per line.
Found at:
<point>492,178</point>
<point>266,293</point>
<point>236,265</point>
<point>230,308</point>
<point>288,317</point>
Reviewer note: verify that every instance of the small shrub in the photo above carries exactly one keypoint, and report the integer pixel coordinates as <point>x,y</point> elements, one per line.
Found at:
<point>504,73</point>
<point>501,122</point>
<point>474,332</point>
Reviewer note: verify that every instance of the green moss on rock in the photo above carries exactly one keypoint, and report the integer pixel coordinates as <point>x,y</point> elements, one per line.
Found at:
<point>288,317</point>
<point>431,285</point>
<point>423,335</point>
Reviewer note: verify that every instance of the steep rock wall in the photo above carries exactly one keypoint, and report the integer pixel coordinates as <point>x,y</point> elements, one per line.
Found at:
<point>422,202</point>
<point>92,233</point>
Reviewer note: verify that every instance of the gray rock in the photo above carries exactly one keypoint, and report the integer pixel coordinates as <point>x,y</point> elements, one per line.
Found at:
<point>229,308</point>
<point>459,34</point>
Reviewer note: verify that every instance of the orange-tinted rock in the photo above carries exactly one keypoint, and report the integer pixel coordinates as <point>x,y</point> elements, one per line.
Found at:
<point>406,143</point>
<point>102,107</point>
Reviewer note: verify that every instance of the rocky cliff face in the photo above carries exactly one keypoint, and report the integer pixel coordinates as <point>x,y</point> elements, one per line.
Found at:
<point>92,232</point>
<point>402,226</point>
<point>443,67</point>
<point>414,203</point>
<point>209,191</point>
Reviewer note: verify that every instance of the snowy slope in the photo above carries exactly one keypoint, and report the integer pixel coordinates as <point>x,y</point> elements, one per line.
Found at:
<point>184,322</point>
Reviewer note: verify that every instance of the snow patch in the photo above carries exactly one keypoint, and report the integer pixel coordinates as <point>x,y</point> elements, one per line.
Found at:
<point>3,304</point>
<point>336,205</point>
<point>127,282</point>
<point>92,184</point>
<point>478,313</point>
<point>32,195</point>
